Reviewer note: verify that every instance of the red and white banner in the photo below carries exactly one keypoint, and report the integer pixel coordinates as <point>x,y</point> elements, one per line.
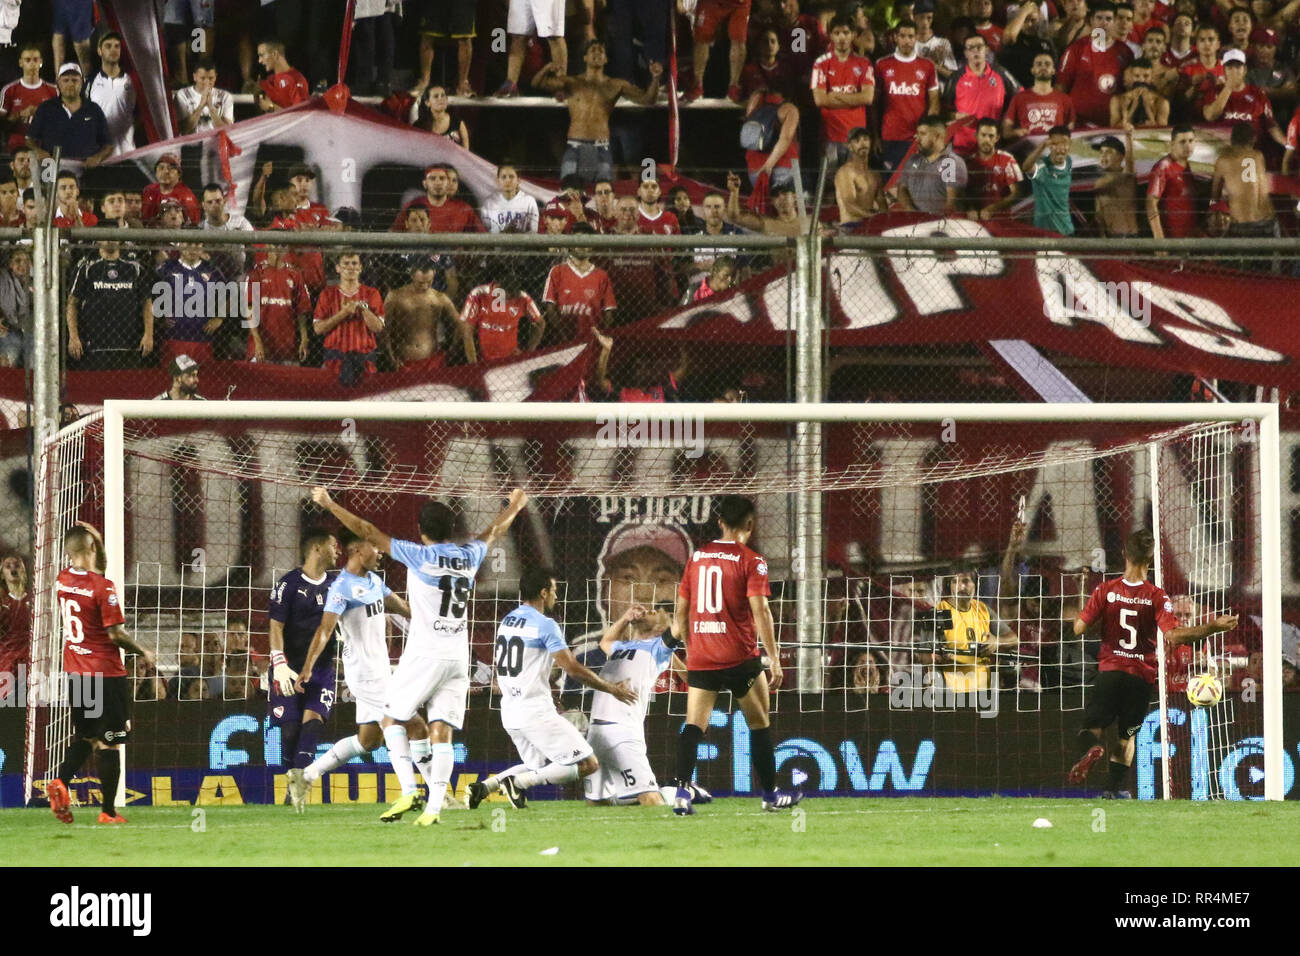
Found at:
<point>146,53</point>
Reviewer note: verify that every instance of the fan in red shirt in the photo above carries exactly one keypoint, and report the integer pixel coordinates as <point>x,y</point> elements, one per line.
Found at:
<point>993,175</point>
<point>722,615</point>
<point>578,295</point>
<point>93,638</point>
<point>169,186</point>
<point>1240,102</point>
<point>19,99</point>
<point>67,192</point>
<point>1091,72</point>
<point>278,299</point>
<point>283,86</point>
<point>1131,609</point>
<point>1171,181</point>
<point>979,92</point>
<point>1034,111</point>
<point>495,310</point>
<point>446,213</point>
<point>909,89</point>
<point>651,217</point>
<point>843,86</point>
<point>1200,79</point>
<point>349,315</point>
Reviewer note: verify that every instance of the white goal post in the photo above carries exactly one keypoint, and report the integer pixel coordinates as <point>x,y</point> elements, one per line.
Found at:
<point>804,477</point>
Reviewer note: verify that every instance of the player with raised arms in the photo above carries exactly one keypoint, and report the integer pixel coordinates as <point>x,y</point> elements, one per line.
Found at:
<point>93,632</point>
<point>295,608</point>
<point>722,615</point>
<point>528,644</point>
<point>434,669</point>
<point>355,607</point>
<point>638,647</point>
<point>1131,609</point>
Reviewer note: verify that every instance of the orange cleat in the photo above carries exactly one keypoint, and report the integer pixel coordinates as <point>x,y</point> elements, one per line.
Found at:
<point>115,818</point>
<point>60,802</point>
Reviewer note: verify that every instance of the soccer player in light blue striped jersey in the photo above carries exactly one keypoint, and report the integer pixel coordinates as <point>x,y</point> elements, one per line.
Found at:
<point>528,644</point>
<point>434,669</point>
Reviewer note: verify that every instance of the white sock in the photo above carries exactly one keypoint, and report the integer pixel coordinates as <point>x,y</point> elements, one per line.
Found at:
<point>551,773</point>
<point>342,751</point>
<point>441,759</point>
<point>399,754</point>
<point>493,783</point>
<point>420,757</point>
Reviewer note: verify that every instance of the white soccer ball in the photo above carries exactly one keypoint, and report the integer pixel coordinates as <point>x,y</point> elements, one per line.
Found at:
<point>1205,690</point>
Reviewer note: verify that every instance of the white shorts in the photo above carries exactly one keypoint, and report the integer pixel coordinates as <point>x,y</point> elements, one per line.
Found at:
<point>369,695</point>
<point>442,684</point>
<point>549,738</point>
<point>624,767</point>
<point>543,18</point>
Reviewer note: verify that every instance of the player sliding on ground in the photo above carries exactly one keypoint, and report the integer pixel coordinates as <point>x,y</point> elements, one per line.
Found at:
<point>722,614</point>
<point>551,749</point>
<point>354,607</point>
<point>638,647</point>
<point>1131,609</point>
<point>434,669</point>
<point>93,633</point>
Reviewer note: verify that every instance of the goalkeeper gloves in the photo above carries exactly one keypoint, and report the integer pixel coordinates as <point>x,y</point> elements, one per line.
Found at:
<point>282,674</point>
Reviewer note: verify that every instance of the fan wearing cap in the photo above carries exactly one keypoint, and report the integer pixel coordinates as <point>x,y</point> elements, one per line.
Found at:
<point>421,319</point>
<point>784,202</point>
<point>109,312</point>
<point>167,172</point>
<point>1115,191</point>
<point>281,306</point>
<point>67,193</point>
<point>1278,79</point>
<point>1239,102</point>
<point>185,381</point>
<point>19,98</point>
<point>72,122</point>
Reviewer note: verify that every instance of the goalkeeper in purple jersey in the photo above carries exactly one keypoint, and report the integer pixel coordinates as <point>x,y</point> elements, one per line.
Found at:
<point>296,604</point>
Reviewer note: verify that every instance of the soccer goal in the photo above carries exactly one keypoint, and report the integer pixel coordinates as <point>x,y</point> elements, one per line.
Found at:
<point>926,565</point>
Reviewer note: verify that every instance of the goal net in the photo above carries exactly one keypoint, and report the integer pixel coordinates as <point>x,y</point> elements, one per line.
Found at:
<point>927,564</point>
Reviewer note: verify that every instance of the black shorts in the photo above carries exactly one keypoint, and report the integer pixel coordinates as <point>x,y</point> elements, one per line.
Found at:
<point>453,19</point>
<point>101,707</point>
<point>1117,695</point>
<point>738,679</point>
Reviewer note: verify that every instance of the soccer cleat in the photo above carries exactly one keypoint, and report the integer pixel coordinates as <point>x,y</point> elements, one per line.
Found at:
<point>426,819</point>
<point>115,818</point>
<point>780,800</point>
<point>404,804</point>
<point>476,792</point>
<point>299,788</point>
<point>733,94</point>
<point>682,803</point>
<point>1079,772</point>
<point>699,794</point>
<point>693,94</point>
<point>517,796</point>
<point>1116,795</point>
<point>60,802</point>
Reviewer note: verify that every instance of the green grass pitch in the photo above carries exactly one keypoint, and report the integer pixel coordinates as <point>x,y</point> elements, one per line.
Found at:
<point>732,832</point>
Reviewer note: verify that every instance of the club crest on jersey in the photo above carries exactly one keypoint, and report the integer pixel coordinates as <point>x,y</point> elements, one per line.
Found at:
<point>761,567</point>
<point>112,600</point>
<point>1110,597</point>
<point>278,711</point>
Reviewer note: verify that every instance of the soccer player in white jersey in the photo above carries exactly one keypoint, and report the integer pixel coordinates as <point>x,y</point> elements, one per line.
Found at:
<point>434,668</point>
<point>510,210</point>
<point>638,648</point>
<point>355,605</point>
<point>528,644</point>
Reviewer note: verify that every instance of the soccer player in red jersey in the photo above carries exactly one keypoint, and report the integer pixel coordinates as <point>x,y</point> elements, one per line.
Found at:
<point>283,86</point>
<point>1171,180</point>
<point>1131,609</point>
<point>1092,67</point>
<point>495,310</point>
<point>579,295</point>
<point>277,297</point>
<point>908,89</point>
<point>993,175</point>
<point>722,615</point>
<point>1034,111</point>
<point>349,315</point>
<point>843,86</point>
<point>19,99</point>
<point>97,684</point>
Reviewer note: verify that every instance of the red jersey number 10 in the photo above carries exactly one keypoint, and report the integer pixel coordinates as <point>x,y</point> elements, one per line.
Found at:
<point>709,591</point>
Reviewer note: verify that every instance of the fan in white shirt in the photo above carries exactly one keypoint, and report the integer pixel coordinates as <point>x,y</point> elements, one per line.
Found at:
<point>509,210</point>
<point>202,106</point>
<point>110,89</point>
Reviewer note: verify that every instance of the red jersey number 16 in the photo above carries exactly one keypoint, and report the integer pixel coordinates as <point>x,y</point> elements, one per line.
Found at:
<point>71,623</point>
